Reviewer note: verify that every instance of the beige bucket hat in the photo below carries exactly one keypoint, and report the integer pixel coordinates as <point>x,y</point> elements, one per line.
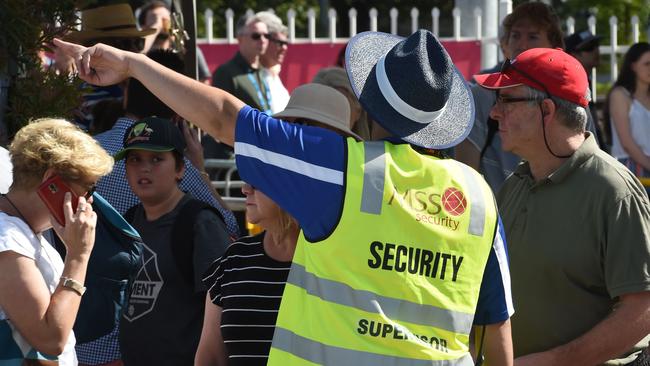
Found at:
<point>322,104</point>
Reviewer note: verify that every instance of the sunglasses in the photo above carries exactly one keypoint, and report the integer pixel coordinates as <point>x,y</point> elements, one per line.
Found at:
<point>501,99</point>
<point>279,42</point>
<point>91,189</point>
<point>507,65</point>
<point>257,36</point>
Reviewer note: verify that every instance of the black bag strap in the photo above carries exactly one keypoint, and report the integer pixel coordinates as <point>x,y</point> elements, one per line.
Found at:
<point>183,236</point>
<point>493,127</point>
<point>129,215</point>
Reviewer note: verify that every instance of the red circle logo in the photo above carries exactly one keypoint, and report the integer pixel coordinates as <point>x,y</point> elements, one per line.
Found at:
<point>454,201</point>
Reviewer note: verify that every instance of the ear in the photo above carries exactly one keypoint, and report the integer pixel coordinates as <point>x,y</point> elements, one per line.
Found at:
<point>548,110</point>
<point>180,173</point>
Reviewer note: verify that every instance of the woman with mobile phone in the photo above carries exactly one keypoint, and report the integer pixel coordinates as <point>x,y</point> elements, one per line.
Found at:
<point>39,292</point>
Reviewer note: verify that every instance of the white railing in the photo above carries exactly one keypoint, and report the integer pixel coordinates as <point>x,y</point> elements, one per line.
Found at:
<point>612,49</point>
<point>333,37</point>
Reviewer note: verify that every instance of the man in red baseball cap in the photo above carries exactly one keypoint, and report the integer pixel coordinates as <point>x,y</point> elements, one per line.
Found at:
<point>577,221</point>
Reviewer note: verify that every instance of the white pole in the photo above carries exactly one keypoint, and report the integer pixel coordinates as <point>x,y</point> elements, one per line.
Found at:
<point>456,14</point>
<point>209,17</point>
<point>415,13</point>
<point>352,15</point>
<point>331,14</point>
<point>613,31</point>
<point>230,26</point>
<point>373,19</point>
<point>291,21</point>
<point>393,20</point>
<point>435,19</point>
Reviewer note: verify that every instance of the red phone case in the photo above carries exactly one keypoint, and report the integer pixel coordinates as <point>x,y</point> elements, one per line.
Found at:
<point>52,192</point>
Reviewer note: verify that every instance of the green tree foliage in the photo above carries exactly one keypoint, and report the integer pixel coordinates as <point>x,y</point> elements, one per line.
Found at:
<point>26,27</point>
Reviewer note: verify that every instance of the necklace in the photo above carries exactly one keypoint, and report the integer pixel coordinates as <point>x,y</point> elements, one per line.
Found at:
<point>20,214</point>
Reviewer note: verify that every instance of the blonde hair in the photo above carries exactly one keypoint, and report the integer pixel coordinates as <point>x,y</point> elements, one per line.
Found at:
<point>57,144</point>
<point>287,222</point>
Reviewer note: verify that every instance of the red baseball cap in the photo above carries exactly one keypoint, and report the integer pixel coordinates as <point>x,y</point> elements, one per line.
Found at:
<point>547,69</point>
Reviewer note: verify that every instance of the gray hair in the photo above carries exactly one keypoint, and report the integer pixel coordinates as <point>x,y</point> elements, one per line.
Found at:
<point>244,21</point>
<point>273,22</point>
<point>572,115</point>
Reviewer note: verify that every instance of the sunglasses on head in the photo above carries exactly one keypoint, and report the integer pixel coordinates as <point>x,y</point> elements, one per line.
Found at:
<point>279,42</point>
<point>257,36</point>
<point>507,65</point>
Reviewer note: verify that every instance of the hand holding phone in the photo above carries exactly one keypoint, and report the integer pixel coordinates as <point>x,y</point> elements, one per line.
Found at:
<point>52,193</point>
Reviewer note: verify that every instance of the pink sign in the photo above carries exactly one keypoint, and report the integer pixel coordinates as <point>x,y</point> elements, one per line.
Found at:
<point>303,61</point>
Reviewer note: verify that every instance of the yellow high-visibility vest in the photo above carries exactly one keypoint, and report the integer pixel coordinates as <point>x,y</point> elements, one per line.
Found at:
<point>397,281</point>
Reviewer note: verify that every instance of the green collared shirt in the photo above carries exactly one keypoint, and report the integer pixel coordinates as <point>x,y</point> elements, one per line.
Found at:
<point>577,240</point>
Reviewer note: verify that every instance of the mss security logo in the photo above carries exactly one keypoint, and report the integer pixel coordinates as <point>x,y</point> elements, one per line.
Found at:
<point>432,208</point>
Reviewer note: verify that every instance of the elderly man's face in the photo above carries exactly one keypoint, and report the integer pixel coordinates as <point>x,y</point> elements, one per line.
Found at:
<point>525,35</point>
<point>254,40</point>
<point>276,50</point>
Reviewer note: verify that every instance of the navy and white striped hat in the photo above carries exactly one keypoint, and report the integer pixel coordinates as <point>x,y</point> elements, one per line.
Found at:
<point>411,87</point>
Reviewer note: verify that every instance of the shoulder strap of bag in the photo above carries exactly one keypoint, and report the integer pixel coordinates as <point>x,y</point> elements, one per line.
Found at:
<point>183,236</point>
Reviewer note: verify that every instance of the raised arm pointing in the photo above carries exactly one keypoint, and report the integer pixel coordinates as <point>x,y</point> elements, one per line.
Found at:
<point>212,109</point>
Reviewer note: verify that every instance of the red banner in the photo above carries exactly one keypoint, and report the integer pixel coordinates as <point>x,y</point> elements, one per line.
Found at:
<point>303,61</point>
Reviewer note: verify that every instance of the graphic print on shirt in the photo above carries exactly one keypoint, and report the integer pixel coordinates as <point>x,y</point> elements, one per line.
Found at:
<point>146,287</point>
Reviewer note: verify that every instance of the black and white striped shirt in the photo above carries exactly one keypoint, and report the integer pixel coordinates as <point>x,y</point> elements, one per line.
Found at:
<point>247,284</point>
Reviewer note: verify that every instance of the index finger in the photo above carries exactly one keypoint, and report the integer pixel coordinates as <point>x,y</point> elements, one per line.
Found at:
<point>67,207</point>
<point>70,49</point>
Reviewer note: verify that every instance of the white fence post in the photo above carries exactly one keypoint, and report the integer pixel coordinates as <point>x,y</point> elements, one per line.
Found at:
<point>230,26</point>
<point>591,23</point>
<point>570,25</point>
<point>613,31</point>
<point>373,19</point>
<point>456,14</point>
<point>249,12</point>
<point>209,18</point>
<point>415,13</point>
<point>393,20</point>
<point>478,22</point>
<point>291,22</point>
<point>435,21</point>
<point>331,14</point>
<point>311,24</point>
<point>635,29</point>
<point>352,15</point>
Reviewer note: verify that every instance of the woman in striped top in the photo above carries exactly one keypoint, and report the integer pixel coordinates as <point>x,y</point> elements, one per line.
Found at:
<point>246,286</point>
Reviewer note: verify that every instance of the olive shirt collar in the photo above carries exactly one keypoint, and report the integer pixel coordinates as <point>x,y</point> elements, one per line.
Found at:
<point>585,152</point>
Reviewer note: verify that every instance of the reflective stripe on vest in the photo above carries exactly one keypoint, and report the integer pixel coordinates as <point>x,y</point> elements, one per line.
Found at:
<point>477,214</point>
<point>373,177</point>
<point>395,309</point>
<point>323,354</point>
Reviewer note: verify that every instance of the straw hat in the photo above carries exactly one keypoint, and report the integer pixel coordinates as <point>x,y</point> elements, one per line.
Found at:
<point>322,104</point>
<point>111,21</point>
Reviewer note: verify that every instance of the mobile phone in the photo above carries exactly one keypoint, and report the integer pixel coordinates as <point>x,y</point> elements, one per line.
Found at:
<point>52,192</point>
